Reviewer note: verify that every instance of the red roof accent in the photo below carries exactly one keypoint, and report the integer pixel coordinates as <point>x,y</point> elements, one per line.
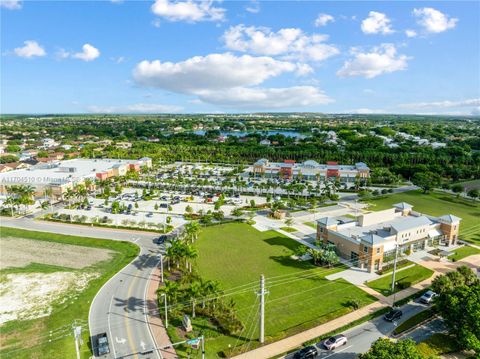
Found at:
<point>289,161</point>
<point>332,163</point>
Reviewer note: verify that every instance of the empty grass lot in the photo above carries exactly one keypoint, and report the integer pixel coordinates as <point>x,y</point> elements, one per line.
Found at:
<point>404,278</point>
<point>27,338</point>
<point>463,252</point>
<point>299,296</point>
<point>438,203</point>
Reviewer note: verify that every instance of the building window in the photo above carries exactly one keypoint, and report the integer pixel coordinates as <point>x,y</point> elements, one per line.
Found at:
<point>378,250</point>
<point>365,249</point>
<point>321,229</point>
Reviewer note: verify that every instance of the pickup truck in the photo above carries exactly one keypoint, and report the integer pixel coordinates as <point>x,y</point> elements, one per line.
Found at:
<point>102,344</point>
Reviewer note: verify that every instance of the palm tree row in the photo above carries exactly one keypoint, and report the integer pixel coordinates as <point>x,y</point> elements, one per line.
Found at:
<point>19,195</point>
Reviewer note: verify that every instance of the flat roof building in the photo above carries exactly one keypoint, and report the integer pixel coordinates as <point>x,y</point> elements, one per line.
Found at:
<point>310,170</point>
<point>372,237</point>
<point>61,175</point>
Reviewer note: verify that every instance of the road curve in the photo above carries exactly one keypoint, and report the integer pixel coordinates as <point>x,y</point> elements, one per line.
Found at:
<point>119,308</point>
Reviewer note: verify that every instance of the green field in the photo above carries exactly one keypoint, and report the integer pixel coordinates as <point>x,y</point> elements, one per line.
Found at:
<point>405,277</point>
<point>463,252</point>
<point>437,204</point>
<point>237,254</point>
<point>29,338</point>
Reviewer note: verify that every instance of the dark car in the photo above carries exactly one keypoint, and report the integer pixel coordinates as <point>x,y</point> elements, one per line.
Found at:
<point>163,205</point>
<point>393,315</point>
<point>161,239</point>
<point>102,344</point>
<point>306,353</point>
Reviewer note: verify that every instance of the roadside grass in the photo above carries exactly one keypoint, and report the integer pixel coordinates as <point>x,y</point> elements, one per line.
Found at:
<point>438,344</point>
<point>29,338</point>
<point>463,252</point>
<point>413,321</point>
<point>403,279</point>
<point>288,229</point>
<point>437,204</point>
<point>236,254</point>
<point>400,265</point>
<point>311,224</point>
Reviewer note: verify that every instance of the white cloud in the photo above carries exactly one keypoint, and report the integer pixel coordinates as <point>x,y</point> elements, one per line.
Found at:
<point>376,23</point>
<point>442,104</point>
<point>380,60</point>
<point>410,33</point>
<point>88,53</point>
<point>433,20</point>
<point>136,108</point>
<point>253,7</point>
<point>31,49</point>
<point>189,11</point>
<point>11,4</point>
<point>212,72</point>
<point>62,54</point>
<point>323,19</point>
<point>118,60</point>
<point>365,111</point>
<point>266,98</point>
<point>292,43</point>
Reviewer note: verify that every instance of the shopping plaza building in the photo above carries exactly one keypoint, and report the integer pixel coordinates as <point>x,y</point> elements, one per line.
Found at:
<point>309,170</point>
<point>59,176</point>
<point>373,237</point>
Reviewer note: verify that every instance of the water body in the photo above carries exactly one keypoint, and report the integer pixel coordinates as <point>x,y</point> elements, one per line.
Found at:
<point>286,133</point>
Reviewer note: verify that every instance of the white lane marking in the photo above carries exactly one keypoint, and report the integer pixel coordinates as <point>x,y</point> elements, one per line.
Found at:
<point>328,356</point>
<point>135,240</point>
<point>142,344</point>
<point>120,341</point>
<point>109,326</point>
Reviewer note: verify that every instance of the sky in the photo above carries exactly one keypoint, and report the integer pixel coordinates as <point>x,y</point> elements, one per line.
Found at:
<point>187,56</point>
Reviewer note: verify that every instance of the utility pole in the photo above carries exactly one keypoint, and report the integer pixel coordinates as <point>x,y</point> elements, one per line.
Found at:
<point>262,293</point>
<point>393,274</point>
<point>203,346</point>
<point>77,331</point>
<point>161,267</point>
<point>165,305</point>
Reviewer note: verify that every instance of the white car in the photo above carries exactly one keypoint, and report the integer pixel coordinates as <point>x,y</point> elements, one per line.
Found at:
<point>427,297</point>
<point>335,342</point>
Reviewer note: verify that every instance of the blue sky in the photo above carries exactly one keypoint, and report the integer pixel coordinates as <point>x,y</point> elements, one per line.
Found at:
<point>242,56</point>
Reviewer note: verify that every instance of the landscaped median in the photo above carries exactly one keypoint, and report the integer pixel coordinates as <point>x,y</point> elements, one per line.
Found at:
<point>413,321</point>
<point>48,261</point>
<point>403,279</point>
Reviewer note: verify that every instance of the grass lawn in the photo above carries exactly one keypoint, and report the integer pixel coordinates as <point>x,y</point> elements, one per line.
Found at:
<point>25,339</point>
<point>438,344</point>
<point>405,278</point>
<point>438,203</point>
<point>463,252</point>
<point>236,254</point>
<point>311,224</point>
<point>288,229</point>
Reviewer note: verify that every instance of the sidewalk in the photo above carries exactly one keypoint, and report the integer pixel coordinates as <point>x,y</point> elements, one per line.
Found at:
<point>155,324</point>
<point>294,341</point>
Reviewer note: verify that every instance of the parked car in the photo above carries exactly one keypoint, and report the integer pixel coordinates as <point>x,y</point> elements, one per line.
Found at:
<point>306,353</point>
<point>150,214</point>
<point>163,205</point>
<point>393,315</point>
<point>335,342</point>
<point>102,344</point>
<point>427,297</point>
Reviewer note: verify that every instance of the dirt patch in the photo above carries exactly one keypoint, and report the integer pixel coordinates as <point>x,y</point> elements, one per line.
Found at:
<point>26,296</point>
<point>20,252</point>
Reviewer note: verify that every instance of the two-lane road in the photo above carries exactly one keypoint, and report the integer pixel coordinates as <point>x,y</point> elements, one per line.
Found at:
<point>119,308</point>
<point>361,337</point>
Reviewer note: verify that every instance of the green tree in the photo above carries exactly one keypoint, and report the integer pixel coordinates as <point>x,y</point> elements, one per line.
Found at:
<point>426,180</point>
<point>473,193</point>
<point>388,349</point>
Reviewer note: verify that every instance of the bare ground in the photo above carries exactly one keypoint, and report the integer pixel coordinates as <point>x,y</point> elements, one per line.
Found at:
<point>19,252</point>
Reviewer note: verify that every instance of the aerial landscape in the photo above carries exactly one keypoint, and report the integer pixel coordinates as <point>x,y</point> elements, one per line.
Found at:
<point>239,179</point>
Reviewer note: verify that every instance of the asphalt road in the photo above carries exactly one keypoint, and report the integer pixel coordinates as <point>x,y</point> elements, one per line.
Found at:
<point>361,337</point>
<point>119,307</point>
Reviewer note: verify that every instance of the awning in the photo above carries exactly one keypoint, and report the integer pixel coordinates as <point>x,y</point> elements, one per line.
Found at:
<point>434,233</point>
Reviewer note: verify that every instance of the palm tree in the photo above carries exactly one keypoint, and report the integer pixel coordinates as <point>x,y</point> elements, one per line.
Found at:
<point>189,253</point>
<point>12,202</point>
<point>194,291</point>
<point>170,289</point>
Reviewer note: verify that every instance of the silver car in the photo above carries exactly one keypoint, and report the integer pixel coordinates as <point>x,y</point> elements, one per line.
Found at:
<point>427,297</point>
<point>335,342</point>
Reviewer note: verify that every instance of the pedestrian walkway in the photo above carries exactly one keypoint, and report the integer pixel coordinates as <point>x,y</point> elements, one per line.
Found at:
<point>157,328</point>
<point>295,341</point>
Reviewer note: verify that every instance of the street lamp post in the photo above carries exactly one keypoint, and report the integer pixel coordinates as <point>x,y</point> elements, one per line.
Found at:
<point>393,273</point>
<point>165,305</point>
